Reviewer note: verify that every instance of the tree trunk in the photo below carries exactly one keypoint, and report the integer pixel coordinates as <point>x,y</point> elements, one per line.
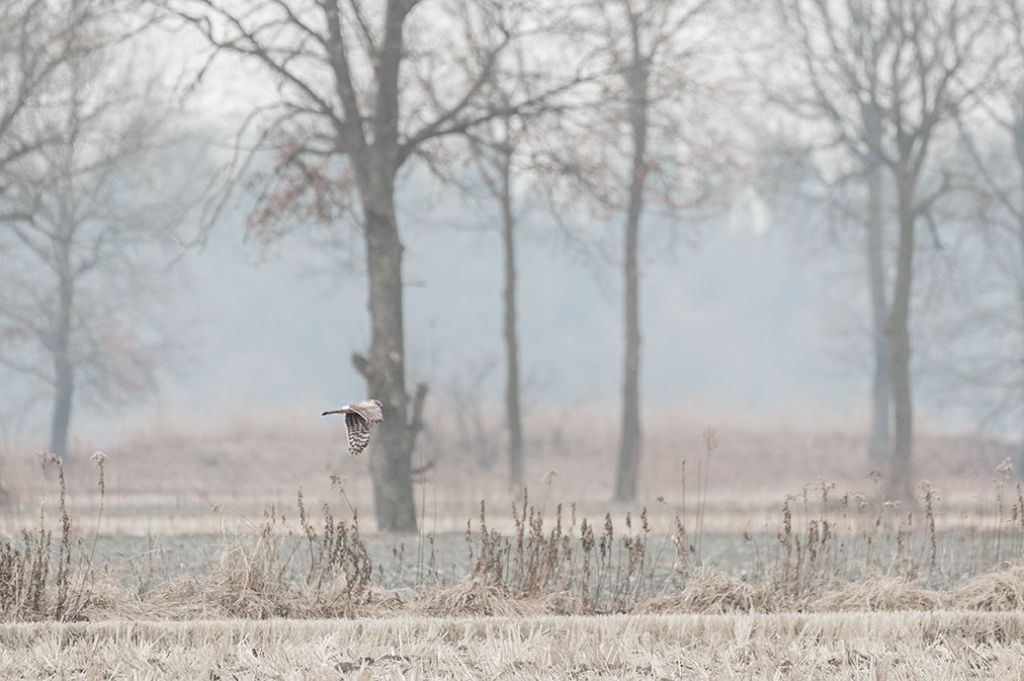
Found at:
<point>1018,211</point>
<point>878,447</point>
<point>513,414</point>
<point>391,459</point>
<point>64,383</point>
<point>1019,467</point>
<point>899,484</point>
<point>1020,308</point>
<point>1018,147</point>
<point>630,443</point>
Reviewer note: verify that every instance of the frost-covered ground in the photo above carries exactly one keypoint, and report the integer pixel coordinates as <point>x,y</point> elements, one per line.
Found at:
<point>840,647</point>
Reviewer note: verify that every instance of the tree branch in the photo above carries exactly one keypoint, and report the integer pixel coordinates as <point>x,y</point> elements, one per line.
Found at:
<point>337,51</point>
<point>362,365</point>
<point>25,369</point>
<point>418,402</point>
<point>526,107</point>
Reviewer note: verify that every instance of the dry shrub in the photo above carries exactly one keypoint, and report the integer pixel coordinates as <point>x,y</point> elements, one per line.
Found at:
<point>879,594</point>
<point>557,565</point>
<point>180,599</point>
<point>564,603</point>
<point>26,592</point>
<point>23,576</point>
<point>249,582</point>
<point>714,592</point>
<point>253,580</point>
<point>607,569</point>
<point>475,598</point>
<point>108,599</point>
<point>996,591</point>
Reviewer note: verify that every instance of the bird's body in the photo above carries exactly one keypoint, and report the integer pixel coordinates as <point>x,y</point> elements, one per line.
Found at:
<point>359,419</point>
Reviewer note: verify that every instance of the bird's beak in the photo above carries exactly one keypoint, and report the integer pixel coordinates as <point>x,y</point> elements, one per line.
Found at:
<point>328,413</point>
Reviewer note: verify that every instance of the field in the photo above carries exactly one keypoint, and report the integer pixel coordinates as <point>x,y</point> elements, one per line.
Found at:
<point>852,646</point>
<point>135,565</point>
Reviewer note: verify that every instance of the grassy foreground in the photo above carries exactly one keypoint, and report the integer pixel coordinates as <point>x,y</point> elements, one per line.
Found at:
<point>837,646</point>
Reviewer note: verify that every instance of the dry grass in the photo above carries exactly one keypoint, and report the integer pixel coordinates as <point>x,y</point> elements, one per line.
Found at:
<point>266,578</point>
<point>834,585</point>
<point>178,469</point>
<point>880,594</point>
<point>712,592</point>
<point>996,591</point>
<point>900,646</point>
<point>27,588</point>
<point>826,555</point>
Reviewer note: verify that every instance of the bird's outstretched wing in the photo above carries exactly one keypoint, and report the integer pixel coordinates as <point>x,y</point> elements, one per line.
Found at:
<point>359,419</point>
<point>357,429</point>
<point>369,410</point>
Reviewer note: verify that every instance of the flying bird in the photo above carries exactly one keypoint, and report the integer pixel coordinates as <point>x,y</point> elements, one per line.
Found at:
<point>359,419</point>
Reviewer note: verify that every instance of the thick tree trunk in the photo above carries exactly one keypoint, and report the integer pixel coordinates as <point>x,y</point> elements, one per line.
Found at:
<point>878,446</point>
<point>64,374</point>
<point>900,480</point>
<point>630,443</point>
<point>384,370</point>
<point>513,413</point>
<point>376,160</point>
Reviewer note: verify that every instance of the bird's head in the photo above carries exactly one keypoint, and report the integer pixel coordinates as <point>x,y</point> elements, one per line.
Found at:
<point>379,405</point>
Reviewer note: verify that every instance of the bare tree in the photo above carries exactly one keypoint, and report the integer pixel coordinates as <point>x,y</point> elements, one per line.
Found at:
<point>34,46</point>
<point>888,76</point>
<point>497,151</point>
<point>31,50</point>
<point>820,95</point>
<point>362,87</point>
<point>635,146</point>
<point>80,261</point>
<point>993,137</point>
<point>502,151</point>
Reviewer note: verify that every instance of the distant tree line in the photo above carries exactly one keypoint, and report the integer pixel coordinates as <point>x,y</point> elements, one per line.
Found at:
<point>907,113</point>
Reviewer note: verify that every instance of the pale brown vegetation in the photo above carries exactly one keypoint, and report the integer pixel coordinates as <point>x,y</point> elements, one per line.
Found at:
<point>177,460</point>
<point>834,584</point>
<point>831,583</point>
<point>845,646</point>
<point>827,554</point>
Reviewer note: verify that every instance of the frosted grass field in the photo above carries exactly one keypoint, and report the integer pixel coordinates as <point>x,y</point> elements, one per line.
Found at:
<point>818,581</point>
<point>939,645</point>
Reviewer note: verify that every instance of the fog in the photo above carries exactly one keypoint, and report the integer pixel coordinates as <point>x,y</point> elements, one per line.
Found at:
<point>270,328</point>
<point>747,320</point>
<point>211,211</point>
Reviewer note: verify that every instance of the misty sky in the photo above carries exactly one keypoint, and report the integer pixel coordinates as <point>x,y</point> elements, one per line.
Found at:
<point>736,321</point>
<point>740,319</point>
